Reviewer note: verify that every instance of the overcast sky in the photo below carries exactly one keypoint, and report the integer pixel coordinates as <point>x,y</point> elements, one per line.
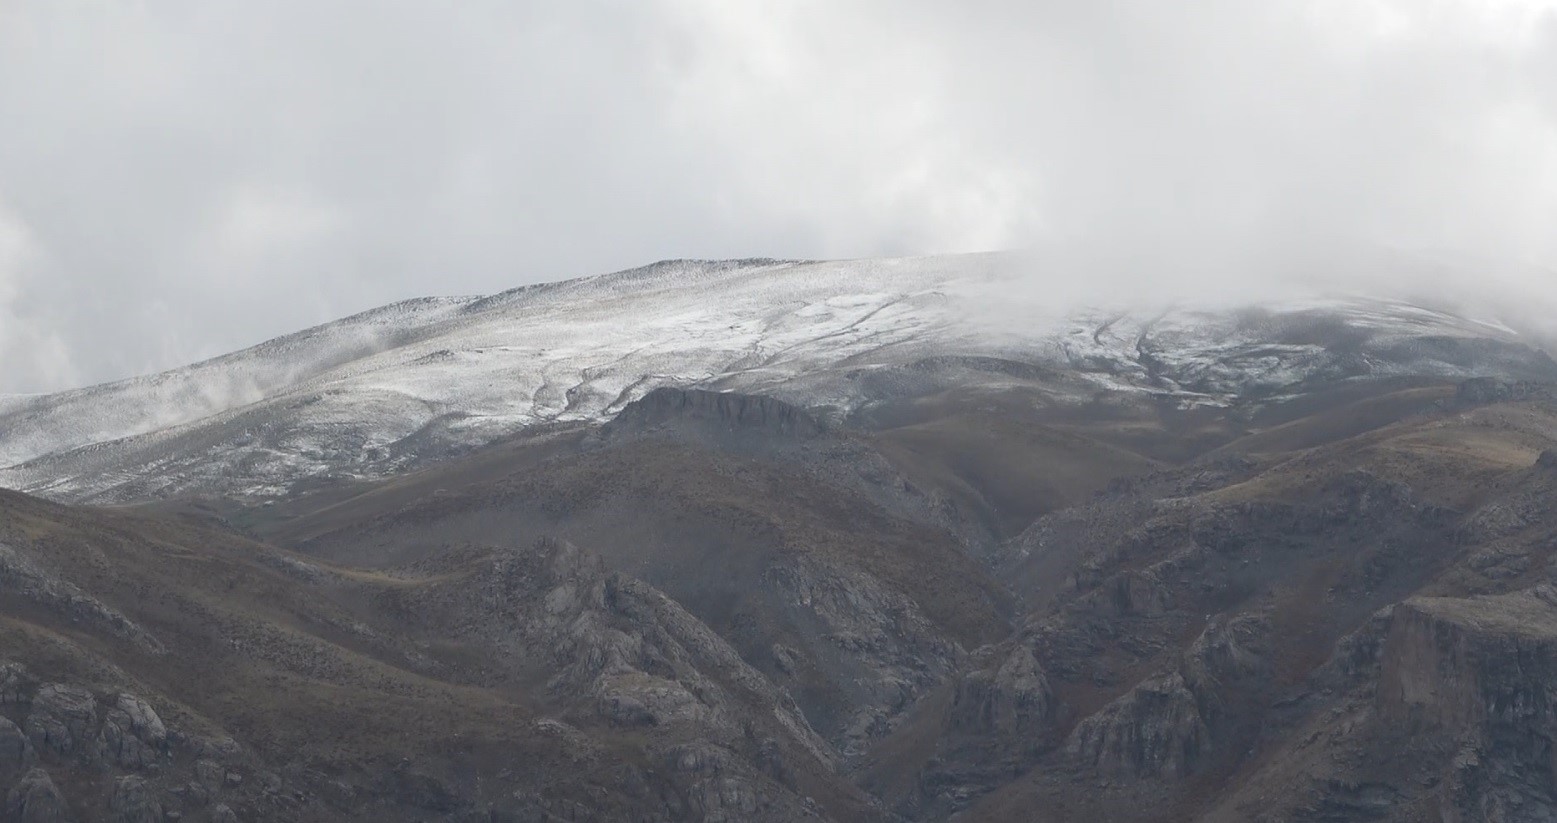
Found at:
<point>182,178</point>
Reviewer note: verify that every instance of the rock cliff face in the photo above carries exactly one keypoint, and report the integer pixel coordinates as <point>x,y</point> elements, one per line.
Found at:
<point>1169,725</point>
<point>1482,672</point>
<point>1485,390</point>
<point>614,650</point>
<point>730,410</point>
<point>1478,664</point>
<point>1157,729</point>
<point>1012,698</point>
<point>1234,629</point>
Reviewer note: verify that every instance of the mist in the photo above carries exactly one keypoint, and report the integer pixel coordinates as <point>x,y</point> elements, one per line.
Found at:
<point>178,180</point>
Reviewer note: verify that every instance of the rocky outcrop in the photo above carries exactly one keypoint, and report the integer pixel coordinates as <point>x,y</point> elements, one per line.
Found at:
<point>618,652</point>
<point>1155,730</point>
<point>1484,663</point>
<point>63,721</point>
<point>870,640</point>
<point>16,752</point>
<point>88,741</point>
<point>1166,726</point>
<point>35,799</point>
<point>1480,391</point>
<point>22,575</point>
<point>1014,698</point>
<point>611,637</point>
<point>1229,650</point>
<point>1524,506</point>
<point>1547,460</point>
<point>1359,654</point>
<point>1482,671</point>
<point>133,801</point>
<point>1499,518</point>
<point>15,684</point>
<point>727,410</point>
<point>726,800</point>
<point>133,734</point>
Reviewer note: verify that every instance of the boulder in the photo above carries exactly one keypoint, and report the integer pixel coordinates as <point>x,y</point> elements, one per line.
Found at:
<point>16,752</point>
<point>133,735</point>
<point>62,720</point>
<point>133,801</point>
<point>35,799</point>
<point>15,684</point>
<point>726,800</point>
<point>210,774</point>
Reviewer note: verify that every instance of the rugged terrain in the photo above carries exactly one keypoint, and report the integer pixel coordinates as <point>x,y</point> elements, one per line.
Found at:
<point>781,541</point>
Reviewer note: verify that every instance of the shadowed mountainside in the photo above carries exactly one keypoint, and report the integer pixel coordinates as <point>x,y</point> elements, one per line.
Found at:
<point>1273,564</point>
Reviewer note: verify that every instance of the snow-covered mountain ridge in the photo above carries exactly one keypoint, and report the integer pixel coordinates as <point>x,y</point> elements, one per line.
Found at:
<point>373,393</point>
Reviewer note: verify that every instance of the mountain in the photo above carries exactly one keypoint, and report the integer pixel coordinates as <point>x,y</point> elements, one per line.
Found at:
<point>155,667</point>
<point>765,540</point>
<point>392,389</point>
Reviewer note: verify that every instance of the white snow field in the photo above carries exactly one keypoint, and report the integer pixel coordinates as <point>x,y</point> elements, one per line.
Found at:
<point>371,394</point>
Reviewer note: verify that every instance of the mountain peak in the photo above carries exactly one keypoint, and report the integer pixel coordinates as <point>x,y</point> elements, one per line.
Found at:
<point>382,390</point>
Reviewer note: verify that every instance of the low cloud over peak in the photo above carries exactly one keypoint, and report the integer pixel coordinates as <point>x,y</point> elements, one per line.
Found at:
<point>178,180</point>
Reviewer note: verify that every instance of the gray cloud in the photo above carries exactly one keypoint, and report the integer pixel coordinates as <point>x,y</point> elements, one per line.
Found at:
<point>178,179</point>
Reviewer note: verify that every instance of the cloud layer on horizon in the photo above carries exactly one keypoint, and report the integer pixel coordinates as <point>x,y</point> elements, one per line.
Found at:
<point>179,179</point>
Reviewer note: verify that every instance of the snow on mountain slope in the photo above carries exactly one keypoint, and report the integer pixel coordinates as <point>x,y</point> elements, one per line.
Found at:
<point>371,394</point>
<point>40,424</point>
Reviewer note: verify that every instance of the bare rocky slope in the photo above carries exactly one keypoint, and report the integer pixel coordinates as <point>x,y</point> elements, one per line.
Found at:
<point>1287,563</point>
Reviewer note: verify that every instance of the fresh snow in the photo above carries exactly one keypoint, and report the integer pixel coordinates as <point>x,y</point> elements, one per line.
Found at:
<point>366,395</point>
